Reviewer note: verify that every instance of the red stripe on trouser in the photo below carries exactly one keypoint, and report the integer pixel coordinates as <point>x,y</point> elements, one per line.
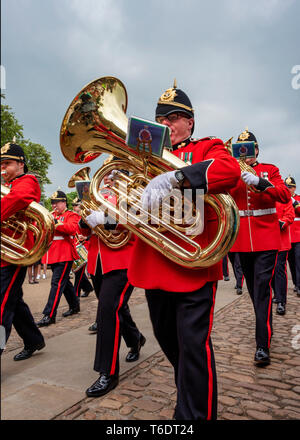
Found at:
<point>7,292</point>
<point>82,271</point>
<point>270,305</point>
<point>117,332</point>
<point>242,280</point>
<point>208,352</point>
<point>58,289</point>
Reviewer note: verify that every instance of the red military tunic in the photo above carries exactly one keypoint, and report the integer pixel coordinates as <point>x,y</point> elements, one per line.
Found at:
<point>260,230</point>
<point>111,259</point>
<point>23,190</point>
<point>149,269</point>
<point>295,227</point>
<point>286,215</point>
<point>63,245</point>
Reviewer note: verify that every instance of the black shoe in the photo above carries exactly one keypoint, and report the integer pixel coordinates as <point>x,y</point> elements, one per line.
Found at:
<point>280,309</point>
<point>239,290</point>
<point>134,352</point>
<point>93,328</point>
<point>298,291</point>
<point>275,301</point>
<point>45,321</point>
<point>85,294</point>
<point>103,385</point>
<point>226,279</point>
<point>72,311</point>
<point>262,356</point>
<point>28,352</point>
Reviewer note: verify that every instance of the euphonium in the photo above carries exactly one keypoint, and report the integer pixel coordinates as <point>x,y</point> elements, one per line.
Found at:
<point>35,220</point>
<point>96,123</point>
<point>113,239</point>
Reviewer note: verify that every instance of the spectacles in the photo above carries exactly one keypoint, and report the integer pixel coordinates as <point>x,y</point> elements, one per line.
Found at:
<point>173,117</point>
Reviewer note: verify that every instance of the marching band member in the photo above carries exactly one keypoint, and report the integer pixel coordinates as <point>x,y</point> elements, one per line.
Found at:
<point>259,240</point>
<point>24,189</point>
<point>108,269</point>
<point>286,215</point>
<point>60,256</point>
<point>294,253</point>
<point>181,300</point>
<point>81,280</point>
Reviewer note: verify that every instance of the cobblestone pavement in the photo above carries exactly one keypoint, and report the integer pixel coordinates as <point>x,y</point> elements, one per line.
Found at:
<point>245,392</point>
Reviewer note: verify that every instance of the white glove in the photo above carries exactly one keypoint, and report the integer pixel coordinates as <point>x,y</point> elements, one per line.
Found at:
<point>95,218</point>
<point>249,178</point>
<point>112,175</point>
<point>158,188</point>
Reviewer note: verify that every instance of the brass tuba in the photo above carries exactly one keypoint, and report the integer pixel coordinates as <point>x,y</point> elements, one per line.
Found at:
<point>35,220</point>
<point>113,239</point>
<point>96,123</point>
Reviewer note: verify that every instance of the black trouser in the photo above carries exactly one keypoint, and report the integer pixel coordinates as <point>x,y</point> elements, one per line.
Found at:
<point>280,279</point>
<point>294,263</point>
<point>236,266</point>
<point>82,282</point>
<point>182,323</point>
<point>97,278</point>
<point>13,309</point>
<point>258,268</point>
<point>225,266</point>
<point>113,321</point>
<point>60,283</point>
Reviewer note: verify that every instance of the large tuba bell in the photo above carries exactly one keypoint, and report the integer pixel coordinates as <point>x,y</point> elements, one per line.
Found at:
<point>113,239</point>
<point>36,221</point>
<point>96,123</point>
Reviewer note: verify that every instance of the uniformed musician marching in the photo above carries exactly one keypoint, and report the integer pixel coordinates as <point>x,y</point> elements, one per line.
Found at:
<point>24,189</point>
<point>181,300</point>
<point>259,240</point>
<point>294,253</point>
<point>108,269</point>
<point>60,256</point>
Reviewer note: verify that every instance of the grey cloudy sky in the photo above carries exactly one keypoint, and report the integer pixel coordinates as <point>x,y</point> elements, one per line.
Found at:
<point>234,58</point>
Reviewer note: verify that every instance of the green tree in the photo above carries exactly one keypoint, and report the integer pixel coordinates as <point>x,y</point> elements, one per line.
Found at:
<point>37,157</point>
<point>10,127</point>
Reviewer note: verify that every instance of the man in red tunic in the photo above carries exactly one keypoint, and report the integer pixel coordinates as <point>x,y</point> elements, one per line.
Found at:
<point>294,253</point>
<point>24,189</point>
<point>258,240</point>
<point>181,300</point>
<point>108,269</point>
<point>60,256</point>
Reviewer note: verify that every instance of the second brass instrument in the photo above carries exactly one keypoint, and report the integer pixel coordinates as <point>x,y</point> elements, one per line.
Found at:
<point>113,239</point>
<point>35,220</point>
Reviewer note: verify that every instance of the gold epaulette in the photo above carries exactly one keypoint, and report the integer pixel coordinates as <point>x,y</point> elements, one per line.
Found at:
<point>207,138</point>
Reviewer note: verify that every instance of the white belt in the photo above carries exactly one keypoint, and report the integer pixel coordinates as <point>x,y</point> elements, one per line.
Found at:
<point>61,238</point>
<point>257,212</point>
<point>296,219</point>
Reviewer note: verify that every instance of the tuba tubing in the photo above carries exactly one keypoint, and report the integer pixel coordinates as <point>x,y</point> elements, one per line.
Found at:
<point>113,239</point>
<point>40,225</point>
